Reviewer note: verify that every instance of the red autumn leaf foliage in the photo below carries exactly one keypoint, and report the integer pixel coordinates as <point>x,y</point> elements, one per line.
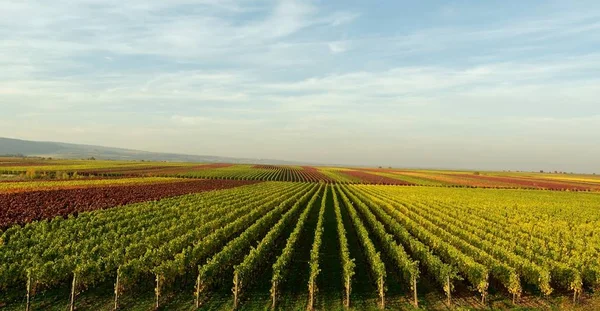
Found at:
<point>21,208</point>
<point>375,179</point>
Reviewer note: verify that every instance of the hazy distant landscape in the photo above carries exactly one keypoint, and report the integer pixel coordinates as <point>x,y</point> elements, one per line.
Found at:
<point>9,146</point>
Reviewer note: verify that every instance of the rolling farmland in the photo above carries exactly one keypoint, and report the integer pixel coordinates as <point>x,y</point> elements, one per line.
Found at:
<point>107,235</point>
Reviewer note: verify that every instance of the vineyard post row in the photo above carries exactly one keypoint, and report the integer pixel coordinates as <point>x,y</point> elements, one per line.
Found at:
<point>376,265</point>
<point>406,266</point>
<point>281,267</point>
<point>209,273</point>
<point>500,255</point>
<point>254,262</point>
<point>476,273</point>
<point>348,264</point>
<point>86,271</point>
<point>444,274</point>
<point>166,270</point>
<point>167,266</point>
<point>314,254</point>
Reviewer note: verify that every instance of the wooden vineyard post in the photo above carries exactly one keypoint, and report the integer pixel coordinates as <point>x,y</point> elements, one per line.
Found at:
<point>381,293</point>
<point>414,288</point>
<point>157,291</point>
<point>28,307</point>
<point>72,305</point>
<point>311,296</point>
<point>235,290</point>
<point>274,294</point>
<point>198,290</point>
<point>449,292</point>
<point>117,293</point>
<point>347,301</point>
<point>516,297</point>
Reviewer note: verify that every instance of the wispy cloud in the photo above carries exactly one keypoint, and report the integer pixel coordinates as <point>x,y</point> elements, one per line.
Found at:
<point>298,73</point>
<point>337,47</point>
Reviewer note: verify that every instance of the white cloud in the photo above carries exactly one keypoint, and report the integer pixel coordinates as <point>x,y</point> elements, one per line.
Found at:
<point>211,31</point>
<point>187,120</point>
<point>341,18</point>
<point>337,47</point>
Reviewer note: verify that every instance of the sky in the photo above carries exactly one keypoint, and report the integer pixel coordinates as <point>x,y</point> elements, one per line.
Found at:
<point>437,84</point>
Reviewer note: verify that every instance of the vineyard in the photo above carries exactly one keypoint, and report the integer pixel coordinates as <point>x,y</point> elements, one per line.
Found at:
<point>24,207</point>
<point>334,239</point>
<point>63,170</point>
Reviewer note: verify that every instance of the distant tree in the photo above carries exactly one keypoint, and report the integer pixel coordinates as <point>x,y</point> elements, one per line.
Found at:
<point>61,175</point>
<point>541,171</point>
<point>31,173</point>
<point>92,158</point>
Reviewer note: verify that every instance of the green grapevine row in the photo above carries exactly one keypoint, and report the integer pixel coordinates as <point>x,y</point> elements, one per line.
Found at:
<point>348,264</point>
<point>281,266</point>
<point>314,254</point>
<point>408,268</point>
<point>250,267</point>
<point>376,265</point>
<point>222,262</point>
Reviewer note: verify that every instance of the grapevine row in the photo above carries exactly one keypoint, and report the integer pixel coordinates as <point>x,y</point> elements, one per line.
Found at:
<point>314,254</point>
<point>476,273</point>
<point>211,273</point>
<point>408,268</point>
<point>376,265</point>
<point>249,269</point>
<point>348,264</point>
<point>281,267</point>
<point>442,273</point>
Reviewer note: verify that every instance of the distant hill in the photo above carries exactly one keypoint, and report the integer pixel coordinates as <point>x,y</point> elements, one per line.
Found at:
<point>10,146</point>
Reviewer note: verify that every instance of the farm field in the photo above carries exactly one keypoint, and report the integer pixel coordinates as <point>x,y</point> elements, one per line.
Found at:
<point>14,169</point>
<point>23,207</point>
<point>257,237</point>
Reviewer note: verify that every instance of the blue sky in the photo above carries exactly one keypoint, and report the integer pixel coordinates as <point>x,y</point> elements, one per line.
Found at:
<point>455,84</point>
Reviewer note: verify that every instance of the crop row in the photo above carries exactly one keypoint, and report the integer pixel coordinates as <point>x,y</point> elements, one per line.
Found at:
<point>263,172</point>
<point>54,169</point>
<point>369,178</point>
<point>25,207</point>
<point>39,185</point>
